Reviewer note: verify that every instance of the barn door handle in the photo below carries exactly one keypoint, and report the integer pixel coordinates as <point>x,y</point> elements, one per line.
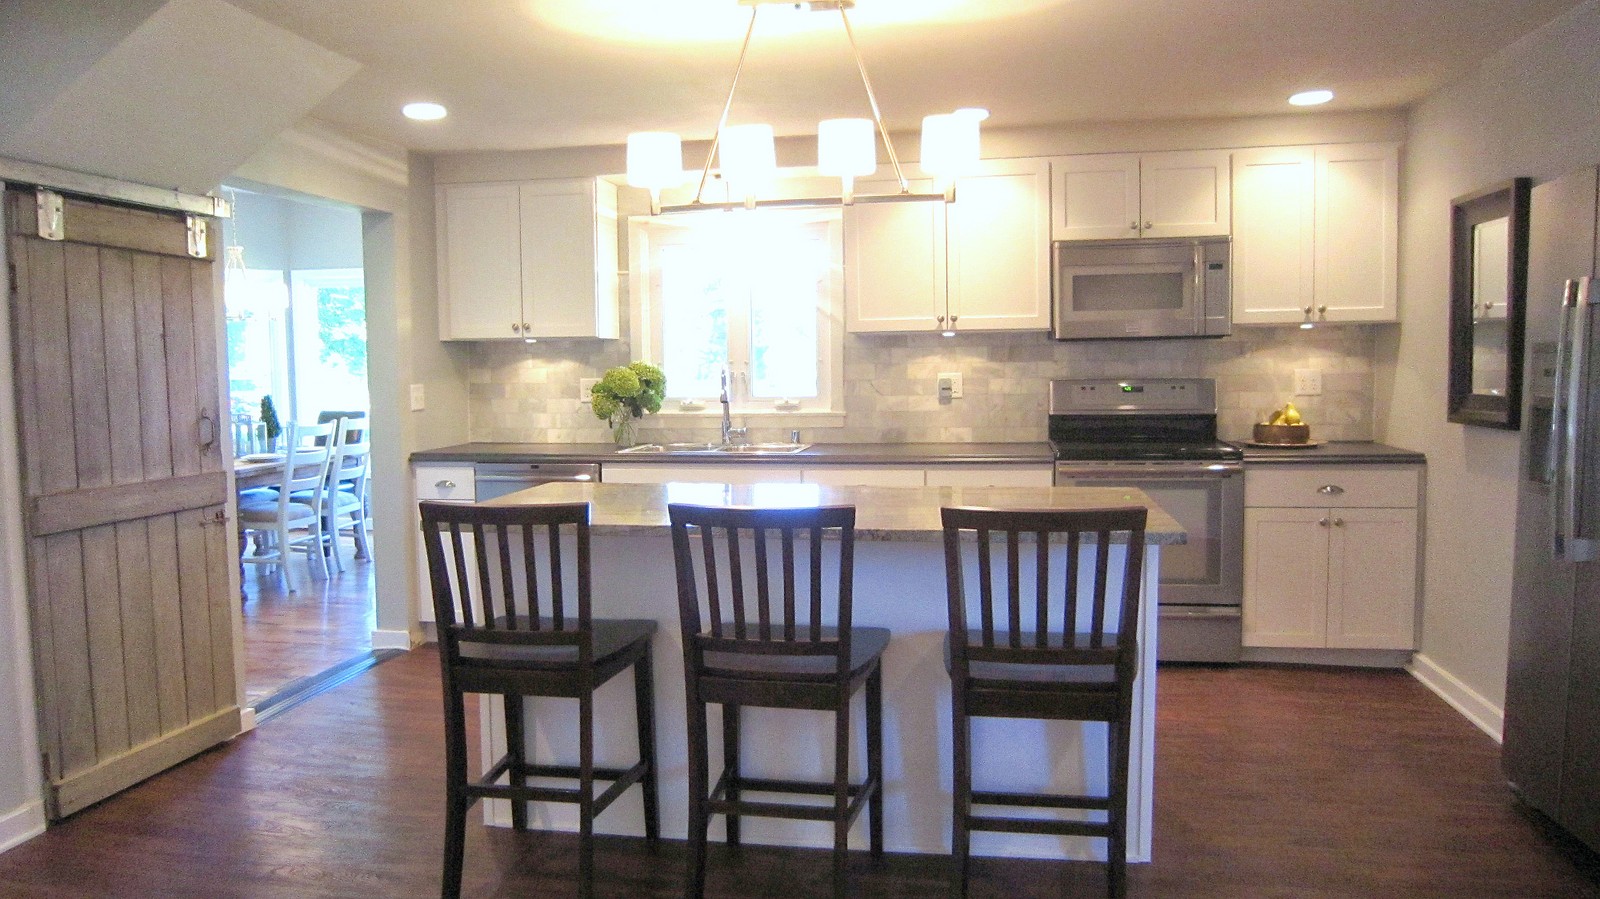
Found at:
<point>208,430</point>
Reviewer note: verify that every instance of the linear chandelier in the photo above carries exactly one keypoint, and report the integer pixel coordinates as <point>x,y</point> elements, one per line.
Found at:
<point>846,148</point>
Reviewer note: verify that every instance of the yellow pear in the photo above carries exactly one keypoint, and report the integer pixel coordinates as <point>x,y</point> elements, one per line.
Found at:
<point>1291,415</point>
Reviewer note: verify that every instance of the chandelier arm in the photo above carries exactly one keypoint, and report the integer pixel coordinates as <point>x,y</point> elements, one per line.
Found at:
<point>716,138</point>
<point>872,100</point>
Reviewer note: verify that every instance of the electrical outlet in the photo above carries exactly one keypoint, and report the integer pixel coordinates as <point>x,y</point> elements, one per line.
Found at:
<point>584,386</point>
<point>419,400</point>
<point>952,380</point>
<point>1308,382</point>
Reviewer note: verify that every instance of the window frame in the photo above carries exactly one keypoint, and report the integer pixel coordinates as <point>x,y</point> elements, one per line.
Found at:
<point>646,234</point>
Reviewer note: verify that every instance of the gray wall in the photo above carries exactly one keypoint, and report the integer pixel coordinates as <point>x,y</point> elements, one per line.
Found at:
<point>1530,110</point>
<point>286,233</point>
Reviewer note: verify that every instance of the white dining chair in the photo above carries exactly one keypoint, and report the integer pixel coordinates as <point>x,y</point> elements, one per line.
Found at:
<point>292,522</point>
<point>344,502</point>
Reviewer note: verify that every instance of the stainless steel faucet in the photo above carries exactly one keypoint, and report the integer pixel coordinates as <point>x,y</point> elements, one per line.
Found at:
<point>729,432</point>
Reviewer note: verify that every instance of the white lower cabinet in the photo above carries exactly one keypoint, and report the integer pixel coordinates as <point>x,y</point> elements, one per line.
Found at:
<point>991,476</point>
<point>1330,557</point>
<point>454,483</point>
<point>661,473</point>
<point>865,476</point>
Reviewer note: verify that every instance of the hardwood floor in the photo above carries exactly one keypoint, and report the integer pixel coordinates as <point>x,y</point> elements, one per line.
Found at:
<point>1270,782</point>
<point>288,636</point>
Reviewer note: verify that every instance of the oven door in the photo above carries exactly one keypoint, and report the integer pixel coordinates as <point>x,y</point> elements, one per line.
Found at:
<point>1202,580</point>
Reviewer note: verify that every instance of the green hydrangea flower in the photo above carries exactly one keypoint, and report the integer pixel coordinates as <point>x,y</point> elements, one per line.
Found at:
<point>636,389</point>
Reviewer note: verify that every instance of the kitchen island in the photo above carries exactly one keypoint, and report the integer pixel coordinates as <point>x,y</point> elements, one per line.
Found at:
<point>899,584</point>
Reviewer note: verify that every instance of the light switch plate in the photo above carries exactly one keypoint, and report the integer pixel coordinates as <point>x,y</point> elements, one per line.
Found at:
<point>419,400</point>
<point>584,386</point>
<point>955,383</point>
<point>1308,382</point>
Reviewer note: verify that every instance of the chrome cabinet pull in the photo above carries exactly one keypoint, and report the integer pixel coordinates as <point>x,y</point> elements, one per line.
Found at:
<point>445,485</point>
<point>1330,490</point>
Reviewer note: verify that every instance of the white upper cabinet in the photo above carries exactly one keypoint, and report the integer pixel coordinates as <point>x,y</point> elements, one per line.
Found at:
<point>1133,195</point>
<point>979,264</point>
<point>527,259</point>
<point>1315,233</point>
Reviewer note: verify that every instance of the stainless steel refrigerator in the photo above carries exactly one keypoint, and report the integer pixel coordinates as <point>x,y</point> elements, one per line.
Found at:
<point>1551,753</point>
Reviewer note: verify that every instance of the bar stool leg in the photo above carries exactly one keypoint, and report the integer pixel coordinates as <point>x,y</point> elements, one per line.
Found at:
<point>730,763</point>
<point>841,793</point>
<point>586,800</point>
<point>644,704</point>
<point>1117,736</point>
<point>875,759</point>
<point>455,799</point>
<point>699,769</point>
<point>517,746</point>
<point>960,794</point>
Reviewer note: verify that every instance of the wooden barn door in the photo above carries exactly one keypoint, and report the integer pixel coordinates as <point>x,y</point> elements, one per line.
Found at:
<point>129,551</point>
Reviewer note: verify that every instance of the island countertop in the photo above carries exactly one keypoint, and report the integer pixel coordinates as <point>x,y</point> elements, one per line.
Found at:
<point>882,513</point>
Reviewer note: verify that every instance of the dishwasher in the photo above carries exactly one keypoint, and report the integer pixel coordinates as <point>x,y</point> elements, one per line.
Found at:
<point>496,479</point>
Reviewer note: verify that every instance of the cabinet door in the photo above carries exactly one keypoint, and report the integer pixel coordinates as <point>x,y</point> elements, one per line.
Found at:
<point>894,263</point>
<point>450,483</point>
<point>1358,198</point>
<point>865,476</point>
<point>569,258</point>
<point>1184,194</point>
<point>999,266</point>
<point>1372,578</point>
<point>480,261</point>
<point>1285,577</point>
<point>1274,245</point>
<point>662,473</point>
<point>1094,197</point>
<point>990,476</point>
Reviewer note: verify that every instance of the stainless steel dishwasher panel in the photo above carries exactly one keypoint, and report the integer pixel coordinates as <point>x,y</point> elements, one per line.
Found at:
<point>496,479</point>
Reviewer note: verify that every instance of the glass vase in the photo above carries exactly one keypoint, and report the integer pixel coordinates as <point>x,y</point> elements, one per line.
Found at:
<point>624,430</point>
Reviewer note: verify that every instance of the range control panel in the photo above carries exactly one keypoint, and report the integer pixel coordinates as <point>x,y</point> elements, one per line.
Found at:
<point>1101,395</point>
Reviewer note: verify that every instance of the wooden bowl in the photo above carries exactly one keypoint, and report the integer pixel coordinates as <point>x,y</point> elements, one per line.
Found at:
<point>1300,433</point>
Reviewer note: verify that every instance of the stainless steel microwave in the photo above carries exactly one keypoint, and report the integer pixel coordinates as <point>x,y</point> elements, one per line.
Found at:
<point>1141,288</point>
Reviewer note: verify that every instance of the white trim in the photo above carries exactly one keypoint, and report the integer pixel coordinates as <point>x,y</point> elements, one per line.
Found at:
<point>381,162</point>
<point>382,639</point>
<point>1490,718</point>
<point>21,824</point>
<point>247,719</point>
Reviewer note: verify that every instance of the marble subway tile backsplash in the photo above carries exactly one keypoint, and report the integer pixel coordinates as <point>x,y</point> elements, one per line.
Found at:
<point>529,392</point>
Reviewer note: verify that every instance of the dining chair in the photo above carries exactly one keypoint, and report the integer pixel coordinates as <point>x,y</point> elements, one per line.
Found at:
<point>759,636</point>
<point>277,520</point>
<point>1062,652</point>
<point>344,503</point>
<point>510,626</point>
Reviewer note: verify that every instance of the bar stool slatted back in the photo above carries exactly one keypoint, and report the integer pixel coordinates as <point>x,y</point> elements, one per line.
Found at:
<point>1073,658</point>
<point>511,598</point>
<point>774,633</point>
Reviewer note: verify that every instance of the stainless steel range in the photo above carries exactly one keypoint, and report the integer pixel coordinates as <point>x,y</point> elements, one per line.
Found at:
<point>1160,436</point>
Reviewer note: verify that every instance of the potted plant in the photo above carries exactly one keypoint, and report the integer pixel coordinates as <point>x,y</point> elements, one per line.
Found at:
<point>270,428</point>
<point>624,394</point>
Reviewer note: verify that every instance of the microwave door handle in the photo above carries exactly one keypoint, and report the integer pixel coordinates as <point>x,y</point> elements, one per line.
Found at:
<point>1580,546</point>
<point>1198,273</point>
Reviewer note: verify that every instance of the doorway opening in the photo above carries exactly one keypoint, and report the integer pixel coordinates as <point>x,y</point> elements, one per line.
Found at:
<point>295,306</point>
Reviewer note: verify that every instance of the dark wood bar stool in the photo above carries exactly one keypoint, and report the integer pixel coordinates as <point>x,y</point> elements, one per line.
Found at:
<point>741,647</point>
<point>497,635</point>
<point>1073,659</point>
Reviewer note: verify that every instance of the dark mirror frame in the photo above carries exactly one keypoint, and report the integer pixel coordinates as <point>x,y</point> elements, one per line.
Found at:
<point>1509,200</point>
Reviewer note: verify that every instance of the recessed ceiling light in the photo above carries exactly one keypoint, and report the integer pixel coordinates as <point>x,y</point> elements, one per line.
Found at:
<point>1311,98</point>
<point>423,112</point>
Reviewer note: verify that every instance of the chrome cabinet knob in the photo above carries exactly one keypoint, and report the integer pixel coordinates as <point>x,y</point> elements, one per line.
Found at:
<point>1322,522</point>
<point>516,327</point>
<point>1133,226</point>
<point>1148,226</point>
<point>1338,522</point>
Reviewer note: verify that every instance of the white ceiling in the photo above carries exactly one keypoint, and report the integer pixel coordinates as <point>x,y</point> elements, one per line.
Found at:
<point>525,74</point>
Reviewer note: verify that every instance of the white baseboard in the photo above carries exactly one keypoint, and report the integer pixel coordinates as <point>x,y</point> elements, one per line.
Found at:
<point>247,719</point>
<point>392,640</point>
<point>21,824</point>
<point>1490,718</point>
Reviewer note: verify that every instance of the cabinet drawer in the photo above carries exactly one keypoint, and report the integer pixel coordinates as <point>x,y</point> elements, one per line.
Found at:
<point>454,483</point>
<point>1332,486</point>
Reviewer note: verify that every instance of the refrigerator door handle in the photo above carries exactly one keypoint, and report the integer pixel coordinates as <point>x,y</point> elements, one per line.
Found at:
<point>1572,541</point>
<point>1555,455</point>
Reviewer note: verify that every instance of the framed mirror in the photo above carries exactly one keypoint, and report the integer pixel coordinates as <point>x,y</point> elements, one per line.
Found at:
<point>1488,288</point>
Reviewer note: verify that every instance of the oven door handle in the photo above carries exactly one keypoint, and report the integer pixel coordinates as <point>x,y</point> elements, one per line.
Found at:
<point>1146,472</point>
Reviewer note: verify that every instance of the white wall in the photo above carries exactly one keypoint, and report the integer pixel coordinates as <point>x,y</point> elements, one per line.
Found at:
<point>1534,110</point>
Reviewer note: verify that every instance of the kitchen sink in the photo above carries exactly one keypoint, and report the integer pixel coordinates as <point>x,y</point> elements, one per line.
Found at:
<point>744,449</point>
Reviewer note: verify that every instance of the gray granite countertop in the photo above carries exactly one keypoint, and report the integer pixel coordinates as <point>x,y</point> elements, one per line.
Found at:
<point>1334,452</point>
<point>882,513</point>
<point>817,454</point>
